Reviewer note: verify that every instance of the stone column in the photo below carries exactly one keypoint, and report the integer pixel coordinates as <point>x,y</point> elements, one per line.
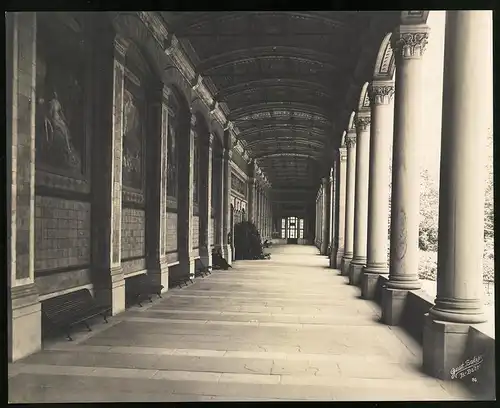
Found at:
<point>467,121</point>
<point>331,213</point>
<point>341,202</point>
<point>156,214</point>
<point>226,169</point>
<point>381,97</point>
<point>107,155</point>
<point>349,207</point>
<point>408,43</point>
<point>23,307</point>
<point>324,216</point>
<point>206,193</point>
<point>185,210</point>
<point>251,199</point>
<point>361,196</point>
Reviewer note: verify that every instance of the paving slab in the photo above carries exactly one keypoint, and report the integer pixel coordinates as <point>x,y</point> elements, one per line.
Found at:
<point>285,329</point>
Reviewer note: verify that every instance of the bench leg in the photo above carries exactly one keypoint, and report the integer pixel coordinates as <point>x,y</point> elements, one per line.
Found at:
<point>88,327</point>
<point>150,300</point>
<point>69,336</point>
<point>104,317</point>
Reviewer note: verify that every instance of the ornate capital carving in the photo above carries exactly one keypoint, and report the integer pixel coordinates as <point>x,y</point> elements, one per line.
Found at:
<point>381,93</point>
<point>170,44</point>
<point>121,46</point>
<point>343,154</point>
<point>410,42</point>
<point>362,122</point>
<point>193,119</point>
<point>214,107</point>
<point>228,154</point>
<point>211,138</point>
<point>350,140</point>
<point>197,82</point>
<point>330,177</point>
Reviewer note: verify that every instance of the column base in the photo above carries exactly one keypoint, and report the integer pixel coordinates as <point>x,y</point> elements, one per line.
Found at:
<point>206,256</point>
<point>458,311</point>
<point>338,260</point>
<point>159,274</point>
<point>24,324</point>
<point>355,269</point>
<point>444,350</point>
<point>369,282</point>
<point>187,267</point>
<point>227,254</point>
<point>344,266</point>
<point>393,301</point>
<point>111,290</point>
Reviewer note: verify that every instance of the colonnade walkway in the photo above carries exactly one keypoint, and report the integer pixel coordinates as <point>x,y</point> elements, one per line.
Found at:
<point>286,328</point>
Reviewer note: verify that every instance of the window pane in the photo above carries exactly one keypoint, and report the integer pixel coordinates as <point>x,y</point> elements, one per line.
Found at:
<point>283,223</point>
<point>301,233</point>
<point>283,235</point>
<point>301,223</point>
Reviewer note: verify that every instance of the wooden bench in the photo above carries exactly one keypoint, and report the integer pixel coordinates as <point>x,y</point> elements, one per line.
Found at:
<point>142,287</point>
<point>66,311</point>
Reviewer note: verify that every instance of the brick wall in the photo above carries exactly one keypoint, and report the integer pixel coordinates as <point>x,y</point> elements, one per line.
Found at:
<point>171,244</point>
<point>211,231</point>
<point>196,232</point>
<point>62,233</point>
<point>133,233</point>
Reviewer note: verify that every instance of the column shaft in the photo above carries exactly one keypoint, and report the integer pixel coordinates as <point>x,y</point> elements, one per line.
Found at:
<point>381,96</point>
<point>467,120</point>
<point>361,196</point>
<point>341,209</point>
<point>349,212</point>
<point>408,43</point>
<point>206,201</point>
<point>324,216</point>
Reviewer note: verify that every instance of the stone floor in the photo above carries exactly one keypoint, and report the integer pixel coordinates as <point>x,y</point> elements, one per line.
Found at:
<point>284,329</point>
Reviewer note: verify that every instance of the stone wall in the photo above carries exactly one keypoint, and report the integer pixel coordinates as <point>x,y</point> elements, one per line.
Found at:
<point>196,232</point>
<point>172,254</point>
<point>133,233</point>
<point>62,233</point>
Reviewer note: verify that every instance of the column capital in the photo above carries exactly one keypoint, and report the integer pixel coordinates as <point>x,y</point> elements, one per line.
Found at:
<point>193,119</point>
<point>330,176</point>
<point>211,138</point>
<point>342,154</point>
<point>227,153</point>
<point>121,46</point>
<point>381,92</point>
<point>410,41</point>
<point>362,122</point>
<point>350,140</point>
<point>324,181</point>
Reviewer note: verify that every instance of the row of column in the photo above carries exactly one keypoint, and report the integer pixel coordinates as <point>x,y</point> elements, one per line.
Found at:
<point>362,202</point>
<point>259,205</point>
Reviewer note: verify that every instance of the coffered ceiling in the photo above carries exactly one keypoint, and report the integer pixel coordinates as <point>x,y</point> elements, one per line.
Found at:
<point>289,79</point>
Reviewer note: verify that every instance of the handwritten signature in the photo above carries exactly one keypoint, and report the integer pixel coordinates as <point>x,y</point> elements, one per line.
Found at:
<point>468,367</point>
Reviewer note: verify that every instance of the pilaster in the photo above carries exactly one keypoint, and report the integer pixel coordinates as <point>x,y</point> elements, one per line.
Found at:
<point>156,214</point>
<point>109,282</point>
<point>206,208</point>
<point>23,307</point>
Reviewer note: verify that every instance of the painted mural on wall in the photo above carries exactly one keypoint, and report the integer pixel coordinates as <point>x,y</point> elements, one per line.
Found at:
<point>60,98</point>
<point>172,153</point>
<point>132,139</point>
<point>238,185</point>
